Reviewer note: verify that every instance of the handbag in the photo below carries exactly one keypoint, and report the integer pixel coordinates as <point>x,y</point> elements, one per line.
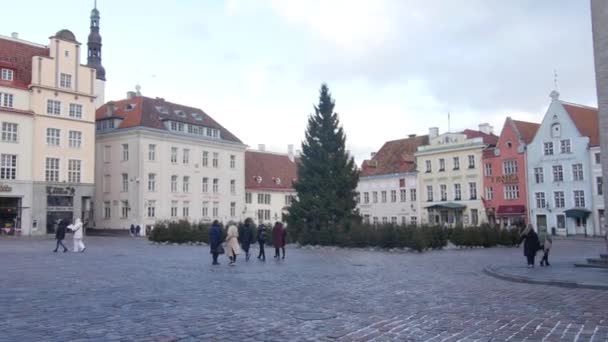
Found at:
<point>220,249</point>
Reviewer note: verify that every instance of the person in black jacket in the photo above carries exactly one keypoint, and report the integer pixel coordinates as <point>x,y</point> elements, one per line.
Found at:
<point>215,241</point>
<point>531,244</point>
<point>262,241</point>
<point>246,236</point>
<point>60,235</point>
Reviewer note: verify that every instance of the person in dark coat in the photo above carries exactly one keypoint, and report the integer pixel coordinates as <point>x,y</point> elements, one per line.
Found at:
<point>246,236</point>
<point>215,240</point>
<point>262,241</point>
<point>531,244</point>
<point>132,230</point>
<point>60,235</point>
<point>278,239</point>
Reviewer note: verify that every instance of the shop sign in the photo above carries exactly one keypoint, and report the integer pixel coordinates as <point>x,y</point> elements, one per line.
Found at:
<point>60,190</point>
<point>506,179</point>
<point>5,188</point>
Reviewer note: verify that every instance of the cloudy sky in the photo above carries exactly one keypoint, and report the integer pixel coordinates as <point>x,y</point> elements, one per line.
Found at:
<point>395,67</point>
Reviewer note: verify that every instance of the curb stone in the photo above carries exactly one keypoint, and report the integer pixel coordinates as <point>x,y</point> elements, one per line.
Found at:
<point>491,270</point>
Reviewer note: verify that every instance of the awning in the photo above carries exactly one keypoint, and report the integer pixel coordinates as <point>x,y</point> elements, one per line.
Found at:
<point>507,210</point>
<point>577,213</point>
<point>447,205</point>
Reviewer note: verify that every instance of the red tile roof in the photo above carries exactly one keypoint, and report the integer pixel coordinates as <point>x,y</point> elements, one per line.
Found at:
<point>269,171</point>
<point>395,156</point>
<point>586,121</point>
<point>527,130</point>
<point>141,111</point>
<point>18,56</point>
<point>489,139</point>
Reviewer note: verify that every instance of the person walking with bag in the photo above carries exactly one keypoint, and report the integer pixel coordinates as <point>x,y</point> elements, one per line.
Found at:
<point>232,243</point>
<point>262,241</point>
<point>247,236</point>
<point>215,241</point>
<point>77,228</point>
<point>531,244</point>
<point>60,235</point>
<point>278,239</point>
<point>546,248</point>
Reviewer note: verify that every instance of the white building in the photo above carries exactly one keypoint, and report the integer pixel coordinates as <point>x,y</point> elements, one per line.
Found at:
<point>388,186</point>
<point>560,172</point>
<point>159,160</point>
<point>269,181</point>
<point>598,191</point>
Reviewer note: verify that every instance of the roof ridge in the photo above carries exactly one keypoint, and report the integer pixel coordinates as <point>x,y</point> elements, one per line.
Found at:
<point>577,105</point>
<point>23,41</point>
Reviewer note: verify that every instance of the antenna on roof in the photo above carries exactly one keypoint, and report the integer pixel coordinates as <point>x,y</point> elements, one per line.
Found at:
<point>448,122</point>
<point>555,78</point>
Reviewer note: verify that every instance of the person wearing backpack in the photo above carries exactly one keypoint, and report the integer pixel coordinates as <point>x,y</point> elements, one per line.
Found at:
<point>262,241</point>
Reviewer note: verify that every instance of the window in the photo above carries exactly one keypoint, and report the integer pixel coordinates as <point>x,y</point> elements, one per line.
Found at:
<point>216,209</point>
<point>561,221</point>
<point>548,148</point>
<point>402,195</point>
<point>383,196</point>
<point>205,184</point>
<point>107,154</point>
<point>560,201</point>
<point>260,198</point>
<point>263,215</point>
<point>186,184</point>
<point>472,162</point>
<point>429,167</point>
<point>394,220</point>
<point>125,182</point>
<point>186,209</point>
<point>6,100</point>
<point>216,160</point>
<point>375,196</point>
<point>564,146</point>
<point>474,217</point>
<point>107,210</point>
<point>216,185</point>
<point>384,220</point>
<point>429,193</point>
<point>233,186</point>
<point>598,158</point>
<point>266,198</point>
<point>232,161</point>
<point>443,190</point>
<point>186,156</point>
<point>558,173</point>
<point>402,182</point>
<point>441,164</point>
<point>151,209</point>
<point>53,136</point>
<point>75,139</point>
<point>577,172</point>
<point>107,183</point>
<point>540,200</point>
<point>52,170</point>
<point>173,208</point>
<point>375,220</point>
<point>232,209</point>
<point>53,107</point>
<point>393,196</point>
<point>489,193</point>
<point>457,192</point>
<point>473,190</point>
<point>151,152</point>
<point>8,166</point>
<point>151,182</point>
<point>75,111</point>
<point>366,197</point>
<point>125,152</point>
<point>174,155</point>
<point>456,162</point>
<point>289,199</point>
<point>74,167</point>
<point>205,209</point>
<point>413,195</point>
<point>538,175</point>
<point>248,197</point>
<point>510,167</point>
<point>579,198</point>
<point>487,169</point>
<point>205,158</point>
<point>414,220</point>
<point>174,183</point>
<point>7,74</point>
<point>65,81</point>
<point>556,129</point>
<point>600,185</point>
<point>9,132</point>
<point>512,192</point>
<point>124,209</point>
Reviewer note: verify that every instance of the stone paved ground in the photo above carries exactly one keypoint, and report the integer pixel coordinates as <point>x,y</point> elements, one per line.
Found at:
<point>125,289</point>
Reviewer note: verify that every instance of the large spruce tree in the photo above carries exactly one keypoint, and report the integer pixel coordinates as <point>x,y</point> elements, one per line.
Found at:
<point>327,174</point>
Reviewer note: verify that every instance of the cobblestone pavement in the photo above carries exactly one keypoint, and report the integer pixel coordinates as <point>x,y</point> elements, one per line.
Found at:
<point>125,289</point>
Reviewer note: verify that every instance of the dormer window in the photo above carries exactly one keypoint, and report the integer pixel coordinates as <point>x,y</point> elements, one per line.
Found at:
<point>277,181</point>
<point>197,116</point>
<point>258,179</point>
<point>180,113</point>
<point>7,75</point>
<point>509,144</point>
<point>129,107</point>
<point>556,130</point>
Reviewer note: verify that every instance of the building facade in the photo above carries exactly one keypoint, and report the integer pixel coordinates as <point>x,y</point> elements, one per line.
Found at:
<point>504,178</point>
<point>560,185</point>
<point>388,183</point>
<point>159,160</point>
<point>269,179</point>
<point>598,191</point>
<point>450,177</point>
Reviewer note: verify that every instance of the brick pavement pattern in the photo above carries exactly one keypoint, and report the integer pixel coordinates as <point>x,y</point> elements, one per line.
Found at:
<point>125,289</point>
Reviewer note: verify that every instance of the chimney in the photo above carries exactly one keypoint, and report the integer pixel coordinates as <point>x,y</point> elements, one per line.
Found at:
<point>433,132</point>
<point>411,136</point>
<point>262,147</point>
<point>290,152</point>
<point>15,35</point>
<point>486,128</point>
<point>131,94</point>
<point>373,154</point>
<point>110,109</point>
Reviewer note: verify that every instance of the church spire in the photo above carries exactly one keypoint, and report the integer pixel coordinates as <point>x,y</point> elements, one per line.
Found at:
<point>94,45</point>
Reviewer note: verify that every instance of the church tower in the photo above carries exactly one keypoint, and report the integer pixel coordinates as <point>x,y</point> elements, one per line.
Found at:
<point>94,57</point>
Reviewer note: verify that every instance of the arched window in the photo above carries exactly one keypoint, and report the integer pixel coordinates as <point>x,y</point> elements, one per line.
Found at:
<point>556,130</point>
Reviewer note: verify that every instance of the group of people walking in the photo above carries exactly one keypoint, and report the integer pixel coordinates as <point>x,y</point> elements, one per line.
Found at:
<point>532,245</point>
<point>248,235</point>
<point>77,236</point>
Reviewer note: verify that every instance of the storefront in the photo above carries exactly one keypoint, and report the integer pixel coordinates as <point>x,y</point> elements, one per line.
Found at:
<point>511,216</point>
<point>60,207</point>
<point>577,221</point>
<point>10,215</point>
<point>447,214</point>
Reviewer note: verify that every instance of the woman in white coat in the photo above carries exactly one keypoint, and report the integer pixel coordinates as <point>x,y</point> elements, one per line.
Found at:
<point>232,243</point>
<point>77,228</point>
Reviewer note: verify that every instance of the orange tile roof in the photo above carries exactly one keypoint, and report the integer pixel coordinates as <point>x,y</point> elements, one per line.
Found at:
<point>489,139</point>
<point>269,171</point>
<point>527,130</point>
<point>395,156</point>
<point>18,56</point>
<point>586,121</point>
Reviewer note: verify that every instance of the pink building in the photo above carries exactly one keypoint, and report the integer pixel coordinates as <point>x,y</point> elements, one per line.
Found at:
<point>504,171</point>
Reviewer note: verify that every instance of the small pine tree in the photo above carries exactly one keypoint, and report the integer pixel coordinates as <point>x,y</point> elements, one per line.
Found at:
<point>327,174</point>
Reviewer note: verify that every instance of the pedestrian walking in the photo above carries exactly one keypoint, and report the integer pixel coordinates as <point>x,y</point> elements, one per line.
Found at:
<point>531,244</point>
<point>132,230</point>
<point>246,236</point>
<point>546,248</point>
<point>278,239</point>
<point>77,228</point>
<point>60,235</point>
<point>262,241</point>
<point>215,241</point>
<point>232,243</point>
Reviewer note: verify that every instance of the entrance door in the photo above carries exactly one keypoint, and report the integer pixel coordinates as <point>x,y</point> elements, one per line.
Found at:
<point>52,218</point>
<point>541,224</point>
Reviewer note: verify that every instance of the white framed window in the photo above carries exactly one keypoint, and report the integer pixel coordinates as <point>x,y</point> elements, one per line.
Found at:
<point>266,198</point>
<point>577,172</point>
<point>205,209</point>
<point>599,182</point>
<point>233,186</point>
<point>216,209</point>
<point>232,161</point>
<point>53,136</point>
<point>151,209</point>
<point>74,170</point>
<point>125,182</point>
<point>383,196</point>
<point>10,132</point>
<point>384,220</point>
<point>402,195</point>
<point>429,193</point>
<point>556,129</point>
<point>7,74</point>
<point>560,201</point>
<point>151,152</point>
<point>443,190</point>
<point>564,146</point>
<point>539,176</point>
<point>173,208</point>
<point>375,220</point>
<point>51,173</point>
<point>75,110</point>
<point>456,162</point>
<point>186,209</point>
<point>174,155</point>
<point>474,217</point>
<point>489,193</point>
<point>579,198</point>
<point>186,156</point>
<point>216,185</point>
<point>548,148</point>
<point>107,183</point>
<point>394,220</point>
<point>205,158</point>
<point>487,169</point>
<point>8,166</point>
<point>216,160</point>
<point>173,183</point>
<point>413,195</point>
<point>510,167</point>
<point>152,182</point>
<point>473,190</point>
<point>232,209</point>
<point>457,192</point>
<point>366,197</point>
<point>6,100</point>
<point>53,107</point>
<point>558,173</point>
<point>441,164</point>
<point>512,192</point>
<point>429,166</point>
<point>540,200</point>
<point>186,184</point>
<point>260,198</point>
<point>375,196</point>
<point>75,139</point>
<point>413,220</point>
<point>289,200</point>
<point>65,80</point>
<point>598,158</point>
<point>107,210</point>
<point>248,197</point>
<point>561,221</point>
<point>471,161</point>
<point>125,152</point>
<point>205,184</point>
